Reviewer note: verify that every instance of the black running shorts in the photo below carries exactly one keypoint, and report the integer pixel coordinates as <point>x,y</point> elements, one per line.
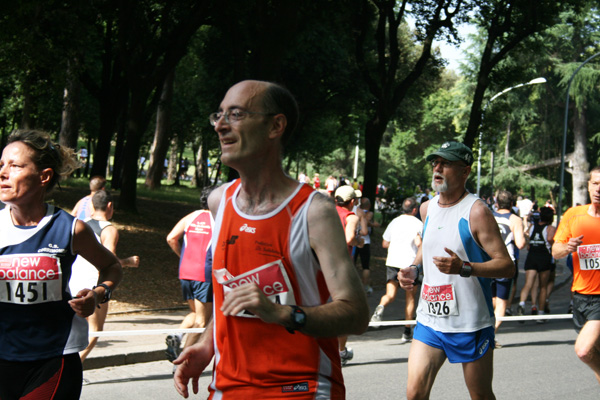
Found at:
<point>51,379</point>
<point>586,307</point>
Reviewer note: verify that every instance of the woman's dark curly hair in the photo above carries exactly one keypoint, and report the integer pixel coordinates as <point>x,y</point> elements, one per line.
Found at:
<point>48,154</point>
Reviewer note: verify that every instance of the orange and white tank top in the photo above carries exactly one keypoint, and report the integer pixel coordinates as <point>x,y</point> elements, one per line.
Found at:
<point>254,359</point>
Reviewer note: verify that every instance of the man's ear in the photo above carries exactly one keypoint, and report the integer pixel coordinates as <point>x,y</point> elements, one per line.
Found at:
<point>278,126</point>
<point>110,210</point>
<point>468,170</point>
<point>46,176</point>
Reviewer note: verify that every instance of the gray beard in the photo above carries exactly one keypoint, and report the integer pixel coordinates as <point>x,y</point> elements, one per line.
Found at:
<point>439,188</point>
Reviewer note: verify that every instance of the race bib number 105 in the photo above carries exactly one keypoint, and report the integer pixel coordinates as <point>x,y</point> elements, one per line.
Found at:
<point>440,301</point>
<point>589,256</point>
<point>30,279</point>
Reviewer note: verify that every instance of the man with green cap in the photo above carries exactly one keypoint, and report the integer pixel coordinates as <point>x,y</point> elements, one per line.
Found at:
<point>460,252</point>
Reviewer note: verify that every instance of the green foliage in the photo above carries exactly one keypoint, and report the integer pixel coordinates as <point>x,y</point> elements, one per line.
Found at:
<point>312,48</point>
<point>514,180</point>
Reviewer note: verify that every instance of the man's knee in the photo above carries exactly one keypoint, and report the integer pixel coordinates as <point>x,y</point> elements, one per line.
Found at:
<point>419,387</point>
<point>416,393</point>
<point>587,352</point>
<point>200,322</point>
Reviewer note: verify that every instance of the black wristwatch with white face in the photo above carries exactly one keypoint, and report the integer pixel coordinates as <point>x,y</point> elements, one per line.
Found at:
<point>298,319</point>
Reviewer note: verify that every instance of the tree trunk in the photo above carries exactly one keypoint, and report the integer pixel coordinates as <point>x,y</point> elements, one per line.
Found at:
<point>580,166</point>
<point>375,129</point>
<point>172,168</point>
<point>203,160</point>
<point>179,162</point>
<point>506,147</point>
<point>108,124</point>
<point>197,163</point>
<point>136,125</point>
<point>27,120</point>
<point>69,128</point>
<point>160,145</point>
<point>117,171</point>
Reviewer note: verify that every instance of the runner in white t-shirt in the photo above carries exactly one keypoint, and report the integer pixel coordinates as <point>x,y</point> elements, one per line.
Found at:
<point>402,238</point>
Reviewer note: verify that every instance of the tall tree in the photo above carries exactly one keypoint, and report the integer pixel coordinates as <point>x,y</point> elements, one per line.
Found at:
<point>160,144</point>
<point>69,129</point>
<point>505,24</point>
<point>388,64</point>
<point>579,40</point>
<point>149,41</point>
<point>536,115</point>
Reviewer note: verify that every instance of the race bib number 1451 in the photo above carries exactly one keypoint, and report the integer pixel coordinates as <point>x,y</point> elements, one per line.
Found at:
<point>30,279</point>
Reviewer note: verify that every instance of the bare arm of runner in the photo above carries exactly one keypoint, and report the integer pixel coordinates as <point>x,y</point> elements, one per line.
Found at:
<point>111,272</point>
<point>561,250</point>
<point>486,233</point>
<point>193,361</point>
<point>174,237</point>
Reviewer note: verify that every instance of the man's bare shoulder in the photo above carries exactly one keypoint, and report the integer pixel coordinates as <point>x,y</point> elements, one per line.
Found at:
<point>423,209</point>
<point>321,203</point>
<point>515,219</point>
<point>215,198</point>
<point>324,227</point>
<point>481,214</point>
<point>321,209</point>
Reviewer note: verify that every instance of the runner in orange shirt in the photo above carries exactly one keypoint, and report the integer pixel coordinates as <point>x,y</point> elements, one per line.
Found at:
<point>578,234</point>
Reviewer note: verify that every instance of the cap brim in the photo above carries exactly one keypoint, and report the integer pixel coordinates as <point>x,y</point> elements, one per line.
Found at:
<point>445,155</point>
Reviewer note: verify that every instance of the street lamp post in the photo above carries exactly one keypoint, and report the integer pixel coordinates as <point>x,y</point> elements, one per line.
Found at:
<point>494,97</point>
<point>356,156</point>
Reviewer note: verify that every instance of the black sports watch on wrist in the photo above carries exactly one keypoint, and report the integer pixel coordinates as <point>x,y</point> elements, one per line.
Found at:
<point>107,292</point>
<point>466,270</point>
<point>298,319</point>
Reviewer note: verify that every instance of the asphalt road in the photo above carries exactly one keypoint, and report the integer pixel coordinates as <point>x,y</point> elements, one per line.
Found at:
<point>536,361</point>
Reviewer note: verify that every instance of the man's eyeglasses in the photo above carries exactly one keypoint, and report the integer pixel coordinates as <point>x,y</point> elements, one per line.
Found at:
<point>232,116</point>
<point>445,164</point>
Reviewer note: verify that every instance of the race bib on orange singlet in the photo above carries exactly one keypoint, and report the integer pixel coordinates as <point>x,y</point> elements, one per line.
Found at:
<point>272,279</point>
<point>30,279</point>
<point>440,301</point>
<point>589,256</point>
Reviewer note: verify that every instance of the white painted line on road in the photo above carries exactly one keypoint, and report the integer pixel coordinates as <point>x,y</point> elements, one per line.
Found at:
<point>381,323</point>
<point>145,332</point>
<point>506,319</point>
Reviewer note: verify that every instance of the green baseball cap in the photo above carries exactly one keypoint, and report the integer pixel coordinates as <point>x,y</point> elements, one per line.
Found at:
<point>453,151</point>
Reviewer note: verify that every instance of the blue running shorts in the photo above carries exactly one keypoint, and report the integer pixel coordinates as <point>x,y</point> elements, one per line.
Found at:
<point>462,347</point>
<point>501,288</point>
<point>195,290</point>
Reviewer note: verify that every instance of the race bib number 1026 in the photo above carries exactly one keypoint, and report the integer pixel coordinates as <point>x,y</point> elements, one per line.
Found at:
<point>30,279</point>
<point>439,300</point>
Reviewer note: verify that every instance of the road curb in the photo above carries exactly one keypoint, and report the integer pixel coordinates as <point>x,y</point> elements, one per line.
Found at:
<point>123,359</point>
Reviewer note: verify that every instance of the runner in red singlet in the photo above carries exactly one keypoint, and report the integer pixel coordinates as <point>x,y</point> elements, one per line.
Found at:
<point>284,284</point>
